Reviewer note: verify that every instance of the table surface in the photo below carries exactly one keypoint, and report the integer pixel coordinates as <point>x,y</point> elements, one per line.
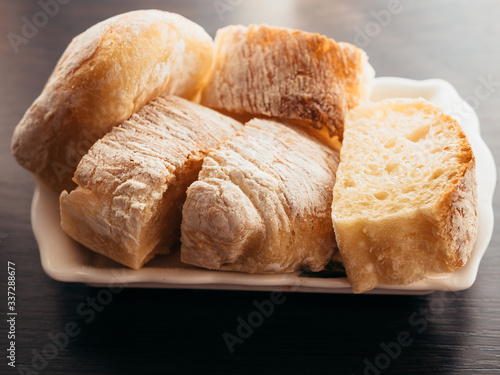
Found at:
<point>149,331</point>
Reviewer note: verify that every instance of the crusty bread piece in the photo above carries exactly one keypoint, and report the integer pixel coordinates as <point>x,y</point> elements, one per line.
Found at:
<point>107,73</point>
<point>298,77</point>
<point>262,203</point>
<point>404,206</point>
<point>132,183</point>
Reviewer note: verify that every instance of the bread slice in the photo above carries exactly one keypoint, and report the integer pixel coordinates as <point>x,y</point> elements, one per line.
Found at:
<point>107,73</point>
<point>299,77</point>
<point>404,206</point>
<point>262,203</point>
<point>132,183</point>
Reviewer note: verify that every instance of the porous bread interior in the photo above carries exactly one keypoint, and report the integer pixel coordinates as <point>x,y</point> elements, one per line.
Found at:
<point>404,205</point>
<point>396,159</point>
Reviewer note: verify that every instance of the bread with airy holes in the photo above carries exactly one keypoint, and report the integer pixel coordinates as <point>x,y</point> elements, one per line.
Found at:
<point>404,205</point>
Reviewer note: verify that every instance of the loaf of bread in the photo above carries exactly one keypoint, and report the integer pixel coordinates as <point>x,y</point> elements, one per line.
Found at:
<point>133,182</point>
<point>404,205</point>
<point>107,73</point>
<point>262,203</point>
<point>301,78</point>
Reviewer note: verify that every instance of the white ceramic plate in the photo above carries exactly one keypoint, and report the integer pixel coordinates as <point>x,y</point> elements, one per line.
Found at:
<point>65,260</point>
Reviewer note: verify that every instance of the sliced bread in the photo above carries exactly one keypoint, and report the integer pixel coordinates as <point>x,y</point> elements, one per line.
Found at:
<point>404,205</point>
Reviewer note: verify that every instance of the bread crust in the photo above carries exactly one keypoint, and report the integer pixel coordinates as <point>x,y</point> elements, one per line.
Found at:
<point>262,203</point>
<point>412,244</point>
<point>459,213</point>
<point>303,78</point>
<point>107,73</point>
<point>133,182</point>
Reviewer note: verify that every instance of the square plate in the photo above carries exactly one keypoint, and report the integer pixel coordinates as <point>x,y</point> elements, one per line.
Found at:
<point>64,259</point>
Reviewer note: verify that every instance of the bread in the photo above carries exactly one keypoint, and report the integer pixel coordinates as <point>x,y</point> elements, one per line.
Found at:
<point>298,77</point>
<point>404,205</point>
<point>133,182</point>
<point>107,73</point>
<point>262,203</point>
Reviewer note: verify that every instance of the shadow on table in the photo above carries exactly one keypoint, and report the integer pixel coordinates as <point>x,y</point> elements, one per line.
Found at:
<point>150,331</point>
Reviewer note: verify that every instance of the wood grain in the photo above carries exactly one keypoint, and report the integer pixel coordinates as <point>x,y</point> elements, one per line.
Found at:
<point>181,331</point>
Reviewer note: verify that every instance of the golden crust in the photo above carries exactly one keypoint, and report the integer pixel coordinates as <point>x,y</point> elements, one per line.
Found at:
<point>107,73</point>
<point>262,203</point>
<point>298,77</point>
<point>133,181</point>
<point>459,212</point>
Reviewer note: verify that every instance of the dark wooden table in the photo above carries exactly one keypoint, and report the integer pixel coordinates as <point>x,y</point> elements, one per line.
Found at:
<point>148,331</point>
